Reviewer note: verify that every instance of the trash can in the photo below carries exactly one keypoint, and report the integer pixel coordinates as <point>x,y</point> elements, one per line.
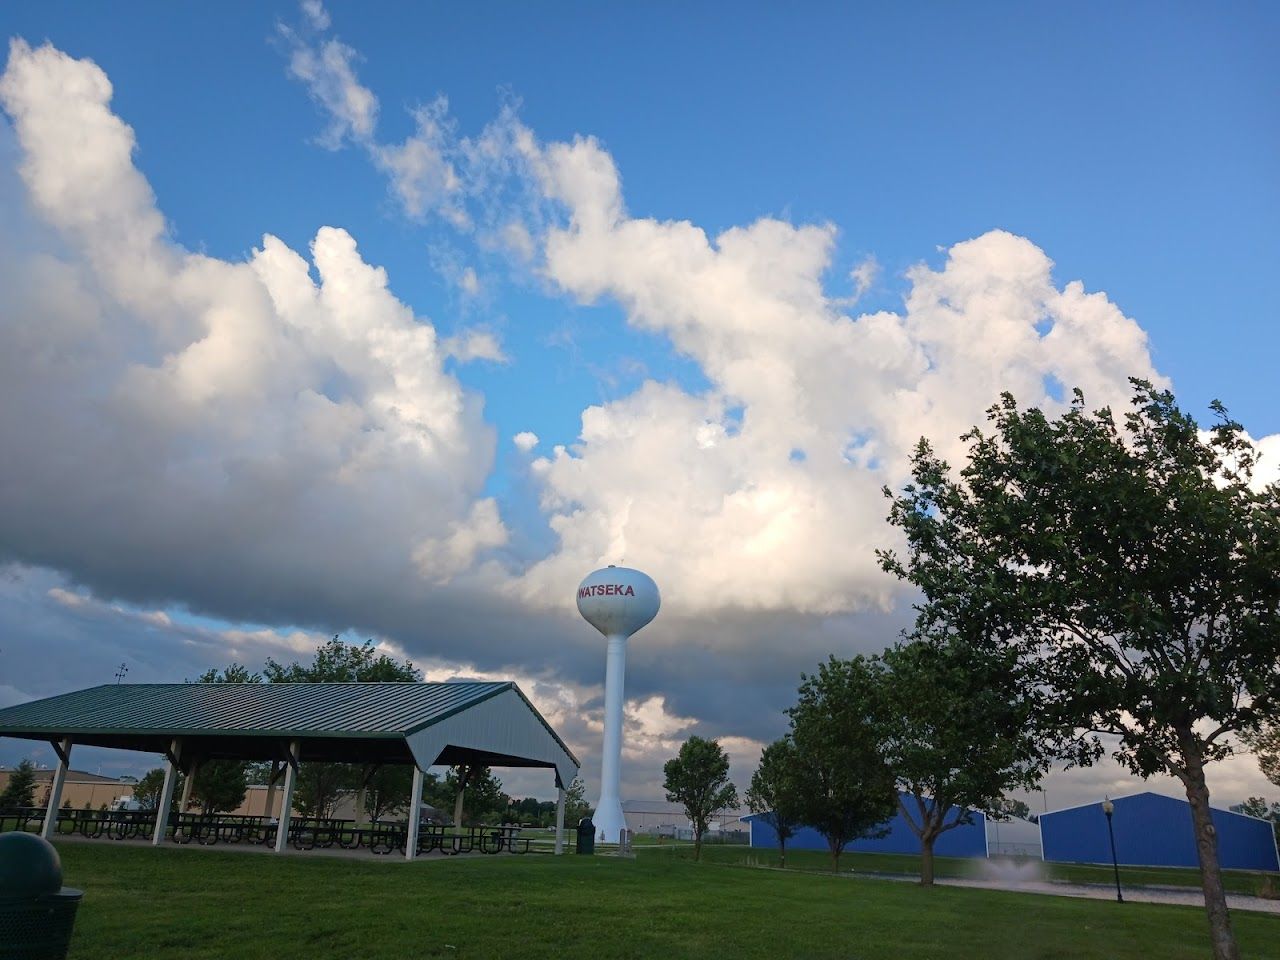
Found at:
<point>36,910</point>
<point>586,836</point>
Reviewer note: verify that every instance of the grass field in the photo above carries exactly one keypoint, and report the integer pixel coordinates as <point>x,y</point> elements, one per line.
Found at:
<point>1236,881</point>
<point>189,903</point>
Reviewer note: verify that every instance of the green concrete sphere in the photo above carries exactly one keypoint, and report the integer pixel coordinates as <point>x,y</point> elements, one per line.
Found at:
<point>29,866</point>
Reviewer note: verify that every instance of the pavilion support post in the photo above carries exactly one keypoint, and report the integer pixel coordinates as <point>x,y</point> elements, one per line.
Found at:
<point>270,810</point>
<point>50,827</point>
<point>286,803</point>
<point>365,774</point>
<point>166,793</point>
<point>559,821</point>
<point>187,786</point>
<point>415,814</point>
<point>463,773</point>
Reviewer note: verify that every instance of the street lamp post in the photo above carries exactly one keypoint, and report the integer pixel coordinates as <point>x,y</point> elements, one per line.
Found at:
<point>1109,808</point>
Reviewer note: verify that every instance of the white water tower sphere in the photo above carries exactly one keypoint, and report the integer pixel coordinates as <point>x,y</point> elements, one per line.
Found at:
<point>617,601</point>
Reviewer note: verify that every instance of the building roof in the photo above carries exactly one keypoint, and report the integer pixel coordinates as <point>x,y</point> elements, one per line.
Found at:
<point>247,709</point>
<point>340,722</point>
<point>1146,793</point>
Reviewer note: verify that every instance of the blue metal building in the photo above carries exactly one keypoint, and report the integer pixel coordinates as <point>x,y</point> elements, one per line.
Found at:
<point>1154,831</point>
<point>969,840</point>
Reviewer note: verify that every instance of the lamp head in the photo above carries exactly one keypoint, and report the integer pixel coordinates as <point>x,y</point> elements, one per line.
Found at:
<point>1108,807</point>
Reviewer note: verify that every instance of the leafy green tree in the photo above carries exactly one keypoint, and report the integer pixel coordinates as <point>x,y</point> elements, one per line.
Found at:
<point>1134,569</point>
<point>478,796</point>
<point>338,662</point>
<point>235,673</point>
<point>1258,807</point>
<point>219,785</point>
<point>1265,743</point>
<point>959,725</point>
<point>148,789</point>
<point>146,792</point>
<point>20,791</point>
<point>848,791</point>
<point>774,793</point>
<point>390,788</point>
<point>321,785</point>
<point>698,779</point>
<point>258,773</point>
<point>1006,809</point>
<point>437,793</point>
<point>527,809</point>
<point>575,803</point>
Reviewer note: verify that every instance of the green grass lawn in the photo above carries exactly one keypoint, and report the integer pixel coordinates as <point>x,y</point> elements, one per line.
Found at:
<point>190,903</point>
<point>1236,881</point>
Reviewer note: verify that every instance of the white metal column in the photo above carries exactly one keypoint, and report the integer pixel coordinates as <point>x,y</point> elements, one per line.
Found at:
<point>166,793</point>
<point>560,821</point>
<point>55,790</point>
<point>415,812</point>
<point>286,803</point>
<point>358,813</point>
<point>187,786</point>
<point>270,809</point>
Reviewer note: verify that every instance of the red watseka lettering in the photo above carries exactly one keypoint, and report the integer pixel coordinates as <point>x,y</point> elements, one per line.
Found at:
<point>607,590</point>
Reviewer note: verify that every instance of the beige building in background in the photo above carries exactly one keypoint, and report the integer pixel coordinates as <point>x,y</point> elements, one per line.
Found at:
<point>85,791</point>
<point>89,791</point>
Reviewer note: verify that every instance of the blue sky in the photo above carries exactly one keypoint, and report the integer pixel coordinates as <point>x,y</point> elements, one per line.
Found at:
<point>1135,148</point>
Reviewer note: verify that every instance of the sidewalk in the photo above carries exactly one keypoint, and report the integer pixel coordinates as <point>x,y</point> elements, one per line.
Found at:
<point>1189,897</point>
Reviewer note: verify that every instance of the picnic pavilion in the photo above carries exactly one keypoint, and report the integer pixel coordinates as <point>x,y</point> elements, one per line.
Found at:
<point>372,724</point>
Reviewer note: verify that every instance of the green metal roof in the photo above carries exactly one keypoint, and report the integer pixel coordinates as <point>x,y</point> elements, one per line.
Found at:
<point>335,722</point>
<point>329,710</point>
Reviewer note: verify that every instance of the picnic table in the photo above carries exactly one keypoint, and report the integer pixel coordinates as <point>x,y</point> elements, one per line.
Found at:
<point>305,833</point>
<point>208,829</point>
<point>484,838</point>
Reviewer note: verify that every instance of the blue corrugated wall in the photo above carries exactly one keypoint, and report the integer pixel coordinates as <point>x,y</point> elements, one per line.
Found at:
<point>969,840</point>
<point>1154,831</point>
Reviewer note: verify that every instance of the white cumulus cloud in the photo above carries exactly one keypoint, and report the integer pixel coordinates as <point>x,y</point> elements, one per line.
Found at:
<point>212,430</point>
<point>327,69</point>
<point>763,492</point>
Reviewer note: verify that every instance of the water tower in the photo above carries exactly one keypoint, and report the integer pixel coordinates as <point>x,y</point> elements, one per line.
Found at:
<point>617,601</point>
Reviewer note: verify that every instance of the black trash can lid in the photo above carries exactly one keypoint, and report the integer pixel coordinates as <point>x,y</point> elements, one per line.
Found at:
<point>29,866</point>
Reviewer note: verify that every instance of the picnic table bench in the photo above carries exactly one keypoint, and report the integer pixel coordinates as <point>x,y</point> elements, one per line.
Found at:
<point>305,833</point>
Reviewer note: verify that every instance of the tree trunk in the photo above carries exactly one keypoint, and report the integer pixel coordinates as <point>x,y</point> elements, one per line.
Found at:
<point>697,845</point>
<point>835,859</point>
<point>782,851</point>
<point>926,859</point>
<point>1221,936</point>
